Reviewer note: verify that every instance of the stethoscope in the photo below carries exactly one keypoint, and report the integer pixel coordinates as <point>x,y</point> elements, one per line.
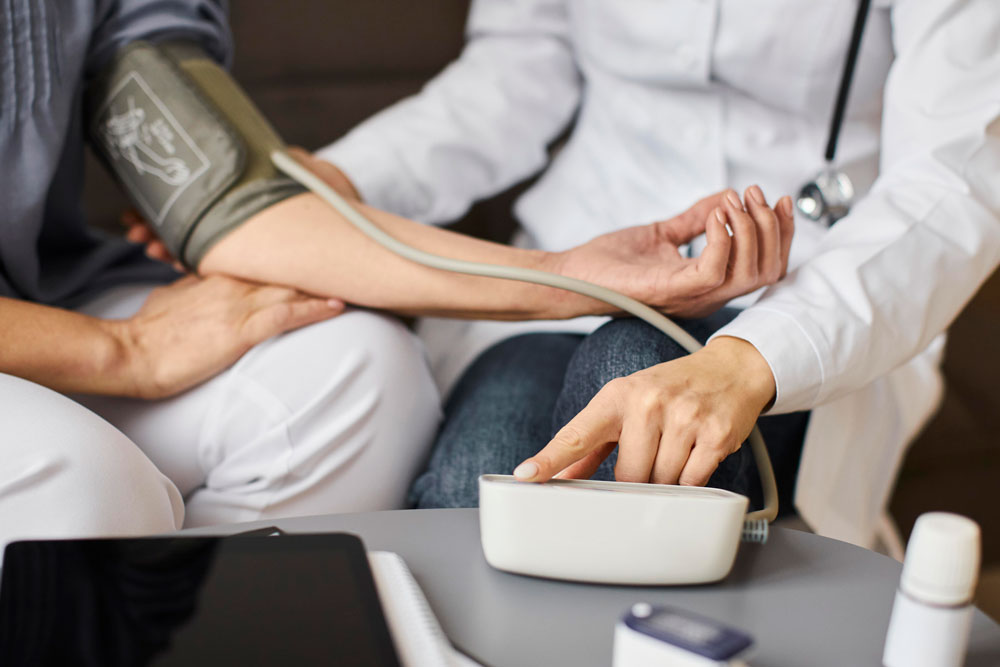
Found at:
<point>829,196</point>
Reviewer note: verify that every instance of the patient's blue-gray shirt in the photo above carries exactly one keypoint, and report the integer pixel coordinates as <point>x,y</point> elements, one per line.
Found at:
<point>48,51</point>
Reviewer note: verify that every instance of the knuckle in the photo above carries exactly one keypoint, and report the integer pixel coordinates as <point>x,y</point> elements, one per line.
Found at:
<point>649,404</point>
<point>769,276</point>
<point>685,409</point>
<point>717,434</point>
<point>617,387</point>
<point>719,449</point>
<point>570,439</point>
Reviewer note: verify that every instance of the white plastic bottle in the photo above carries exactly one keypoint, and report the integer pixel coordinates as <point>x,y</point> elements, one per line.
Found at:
<point>932,615</point>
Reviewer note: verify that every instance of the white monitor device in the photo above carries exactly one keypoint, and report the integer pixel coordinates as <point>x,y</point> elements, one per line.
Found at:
<point>610,532</point>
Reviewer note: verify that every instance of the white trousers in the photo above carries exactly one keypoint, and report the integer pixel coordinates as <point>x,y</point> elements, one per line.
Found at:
<point>335,417</point>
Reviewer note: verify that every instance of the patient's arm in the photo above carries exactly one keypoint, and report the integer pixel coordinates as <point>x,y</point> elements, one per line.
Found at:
<point>303,243</point>
<point>184,333</point>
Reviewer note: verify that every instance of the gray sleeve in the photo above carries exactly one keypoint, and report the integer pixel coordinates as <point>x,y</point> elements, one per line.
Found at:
<point>119,22</point>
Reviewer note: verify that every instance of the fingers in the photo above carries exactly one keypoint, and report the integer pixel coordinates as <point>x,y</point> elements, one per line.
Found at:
<point>699,467</point>
<point>262,296</point>
<point>713,442</point>
<point>707,271</point>
<point>301,155</point>
<point>277,318</point>
<point>265,296</point>
<point>637,445</point>
<point>329,172</point>
<point>683,228</point>
<point>713,261</point>
<point>743,262</point>
<point>592,429</point>
<point>131,217</point>
<point>309,311</point>
<point>768,236</point>
<point>786,224</point>
<point>694,218</point>
<point>158,250</point>
<point>588,465</point>
<point>138,231</point>
<point>671,456</point>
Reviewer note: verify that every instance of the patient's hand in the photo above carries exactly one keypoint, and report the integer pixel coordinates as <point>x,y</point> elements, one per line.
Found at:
<point>137,230</point>
<point>190,330</point>
<point>644,261</point>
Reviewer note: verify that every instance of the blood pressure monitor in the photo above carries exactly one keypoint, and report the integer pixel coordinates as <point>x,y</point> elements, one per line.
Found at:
<point>610,532</point>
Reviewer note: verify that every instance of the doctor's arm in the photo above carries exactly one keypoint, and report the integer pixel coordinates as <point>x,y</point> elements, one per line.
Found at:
<point>478,127</point>
<point>888,279</point>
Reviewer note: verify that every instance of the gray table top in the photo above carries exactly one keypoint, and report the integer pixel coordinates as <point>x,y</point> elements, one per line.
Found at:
<point>807,600</point>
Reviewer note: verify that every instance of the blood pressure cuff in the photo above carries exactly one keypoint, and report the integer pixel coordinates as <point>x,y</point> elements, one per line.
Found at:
<point>189,147</point>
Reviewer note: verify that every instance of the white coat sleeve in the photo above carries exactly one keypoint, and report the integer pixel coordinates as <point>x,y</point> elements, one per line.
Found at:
<point>481,125</point>
<point>896,272</point>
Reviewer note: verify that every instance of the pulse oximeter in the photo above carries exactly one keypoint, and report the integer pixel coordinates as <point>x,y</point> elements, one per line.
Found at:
<point>655,636</point>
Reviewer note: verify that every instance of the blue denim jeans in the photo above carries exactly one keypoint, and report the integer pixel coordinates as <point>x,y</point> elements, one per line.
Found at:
<point>517,394</point>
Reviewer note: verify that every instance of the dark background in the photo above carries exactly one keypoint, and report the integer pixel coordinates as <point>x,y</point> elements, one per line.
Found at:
<point>318,67</point>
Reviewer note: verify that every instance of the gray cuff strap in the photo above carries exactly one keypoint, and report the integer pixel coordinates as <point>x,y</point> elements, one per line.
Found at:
<point>233,210</point>
<point>169,147</point>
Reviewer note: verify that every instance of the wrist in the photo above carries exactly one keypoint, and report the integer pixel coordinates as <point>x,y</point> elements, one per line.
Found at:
<point>124,365</point>
<point>564,303</point>
<point>749,365</point>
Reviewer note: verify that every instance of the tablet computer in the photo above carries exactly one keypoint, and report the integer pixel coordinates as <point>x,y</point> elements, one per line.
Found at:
<point>242,600</point>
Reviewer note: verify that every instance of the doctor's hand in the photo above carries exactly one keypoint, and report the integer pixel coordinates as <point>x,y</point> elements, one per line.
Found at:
<point>327,171</point>
<point>673,423</point>
<point>644,262</point>
<point>188,331</point>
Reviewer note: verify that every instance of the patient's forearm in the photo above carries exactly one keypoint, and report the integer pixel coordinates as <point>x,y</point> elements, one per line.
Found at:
<point>304,243</point>
<point>62,350</point>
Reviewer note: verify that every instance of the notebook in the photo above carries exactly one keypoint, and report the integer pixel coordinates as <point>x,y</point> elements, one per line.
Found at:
<point>418,637</point>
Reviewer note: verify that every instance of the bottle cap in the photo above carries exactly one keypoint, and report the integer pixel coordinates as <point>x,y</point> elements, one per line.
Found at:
<point>942,559</point>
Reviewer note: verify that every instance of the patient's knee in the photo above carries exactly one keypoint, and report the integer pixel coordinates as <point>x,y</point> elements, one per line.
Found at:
<point>65,472</point>
<point>333,417</point>
<point>619,348</point>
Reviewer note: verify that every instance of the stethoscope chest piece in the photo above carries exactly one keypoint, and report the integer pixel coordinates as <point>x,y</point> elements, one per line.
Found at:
<point>827,198</point>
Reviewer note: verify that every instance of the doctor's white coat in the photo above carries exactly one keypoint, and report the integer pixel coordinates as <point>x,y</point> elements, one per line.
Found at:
<point>675,99</point>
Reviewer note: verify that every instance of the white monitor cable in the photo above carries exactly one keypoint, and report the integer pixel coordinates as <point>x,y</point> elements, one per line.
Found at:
<point>756,523</point>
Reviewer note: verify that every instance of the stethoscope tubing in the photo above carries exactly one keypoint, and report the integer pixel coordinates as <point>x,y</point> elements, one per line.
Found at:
<point>837,121</point>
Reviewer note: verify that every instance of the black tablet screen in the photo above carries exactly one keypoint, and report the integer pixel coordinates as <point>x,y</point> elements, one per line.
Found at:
<point>291,600</point>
